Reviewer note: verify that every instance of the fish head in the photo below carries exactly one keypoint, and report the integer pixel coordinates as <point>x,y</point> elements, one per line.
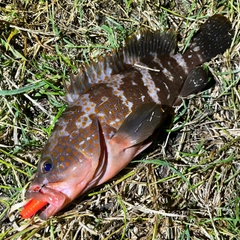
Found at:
<point>68,167</point>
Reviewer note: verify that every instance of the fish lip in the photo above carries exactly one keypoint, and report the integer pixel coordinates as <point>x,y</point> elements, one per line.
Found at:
<point>56,199</point>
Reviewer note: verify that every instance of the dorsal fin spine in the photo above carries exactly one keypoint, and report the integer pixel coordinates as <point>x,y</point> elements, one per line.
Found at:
<point>138,46</point>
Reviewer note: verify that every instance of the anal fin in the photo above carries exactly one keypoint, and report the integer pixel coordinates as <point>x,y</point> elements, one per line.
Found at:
<point>196,80</point>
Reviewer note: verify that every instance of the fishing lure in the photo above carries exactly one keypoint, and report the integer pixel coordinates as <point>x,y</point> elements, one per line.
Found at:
<point>32,207</point>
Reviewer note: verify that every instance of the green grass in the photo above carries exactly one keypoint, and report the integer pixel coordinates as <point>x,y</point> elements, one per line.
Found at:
<point>184,187</point>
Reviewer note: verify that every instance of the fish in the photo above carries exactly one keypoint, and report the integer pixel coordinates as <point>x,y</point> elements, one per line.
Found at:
<point>116,106</point>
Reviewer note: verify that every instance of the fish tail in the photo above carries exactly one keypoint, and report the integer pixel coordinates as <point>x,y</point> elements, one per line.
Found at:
<point>213,38</point>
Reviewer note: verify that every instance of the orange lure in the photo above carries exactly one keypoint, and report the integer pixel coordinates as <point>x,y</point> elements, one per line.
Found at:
<point>31,208</point>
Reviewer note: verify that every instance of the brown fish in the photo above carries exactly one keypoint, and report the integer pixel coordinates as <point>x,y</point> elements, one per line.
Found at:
<point>116,105</point>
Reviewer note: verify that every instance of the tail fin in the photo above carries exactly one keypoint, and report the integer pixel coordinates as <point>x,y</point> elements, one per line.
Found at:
<point>213,37</point>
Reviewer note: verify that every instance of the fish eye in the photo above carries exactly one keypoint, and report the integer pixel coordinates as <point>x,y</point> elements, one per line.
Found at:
<point>46,165</point>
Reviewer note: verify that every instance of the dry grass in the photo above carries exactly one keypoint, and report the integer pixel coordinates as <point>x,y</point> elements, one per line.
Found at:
<point>187,184</point>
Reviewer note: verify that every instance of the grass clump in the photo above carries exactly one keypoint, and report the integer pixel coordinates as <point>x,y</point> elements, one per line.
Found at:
<point>186,186</point>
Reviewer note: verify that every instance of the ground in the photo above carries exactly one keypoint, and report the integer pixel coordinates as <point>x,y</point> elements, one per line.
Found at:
<point>185,186</point>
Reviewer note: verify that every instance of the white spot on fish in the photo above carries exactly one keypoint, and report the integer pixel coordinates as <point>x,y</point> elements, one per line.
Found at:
<point>119,93</point>
<point>166,87</point>
<point>164,70</point>
<point>180,60</point>
<point>82,142</point>
<point>150,84</point>
<point>133,83</point>
<point>104,99</point>
<point>168,74</point>
<point>111,134</point>
<point>196,49</point>
<point>199,57</point>
<point>116,121</point>
<point>88,108</point>
<point>142,98</point>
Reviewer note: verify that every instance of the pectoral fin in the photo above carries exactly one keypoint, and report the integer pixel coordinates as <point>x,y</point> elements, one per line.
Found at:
<point>140,124</point>
<point>130,139</point>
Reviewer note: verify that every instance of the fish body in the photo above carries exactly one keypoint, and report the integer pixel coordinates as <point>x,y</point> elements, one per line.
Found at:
<point>116,105</point>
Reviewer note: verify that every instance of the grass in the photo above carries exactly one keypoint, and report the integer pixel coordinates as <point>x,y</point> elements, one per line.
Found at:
<point>185,186</point>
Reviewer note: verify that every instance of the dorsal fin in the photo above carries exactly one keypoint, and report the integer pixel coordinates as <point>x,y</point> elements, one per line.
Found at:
<point>95,72</point>
<point>146,43</point>
<point>138,47</point>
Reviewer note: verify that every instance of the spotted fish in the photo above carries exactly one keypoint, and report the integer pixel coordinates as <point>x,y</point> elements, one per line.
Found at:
<point>116,105</point>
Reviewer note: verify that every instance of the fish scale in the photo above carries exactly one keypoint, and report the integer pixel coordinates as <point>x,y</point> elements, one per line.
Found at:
<point>117,105</point>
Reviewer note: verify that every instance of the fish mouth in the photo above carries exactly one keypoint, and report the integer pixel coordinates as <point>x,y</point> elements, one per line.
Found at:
<point>56,199</point>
